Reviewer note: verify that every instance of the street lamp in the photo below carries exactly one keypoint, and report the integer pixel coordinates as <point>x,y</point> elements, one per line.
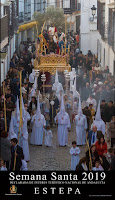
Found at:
<point>37,72</point>
<point>67,79</point>
<point>93,9</point>
<point>43,78</point>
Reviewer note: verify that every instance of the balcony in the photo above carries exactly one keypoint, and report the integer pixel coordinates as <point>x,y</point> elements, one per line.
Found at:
<point>4,28</point>
<point>77,8</point>
<point>72,9</point>
<point>111,39</point>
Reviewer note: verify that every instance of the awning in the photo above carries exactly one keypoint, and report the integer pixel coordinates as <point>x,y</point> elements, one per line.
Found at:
<point>27,26</point>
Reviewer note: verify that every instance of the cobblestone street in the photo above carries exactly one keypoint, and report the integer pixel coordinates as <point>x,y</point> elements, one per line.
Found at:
<point>55,157</point>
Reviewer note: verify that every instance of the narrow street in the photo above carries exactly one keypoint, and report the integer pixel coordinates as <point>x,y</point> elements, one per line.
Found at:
<point>55,157</point>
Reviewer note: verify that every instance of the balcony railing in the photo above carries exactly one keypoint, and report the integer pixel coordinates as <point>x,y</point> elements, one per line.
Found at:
<point>107,33</point>
<point>77,8</point>
<point>111,39</point>
<point>72,9</point>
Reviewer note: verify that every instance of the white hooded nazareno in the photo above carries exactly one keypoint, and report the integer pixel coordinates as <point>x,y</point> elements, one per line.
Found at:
<point>32,77</point>
<point>15,121</point>
<point>57,87</point>
<point>63,120</point>
<point>75,92</point>
<point>38,122</point>
<point>23,142</point>
<point>81,125</point>
<point>98,122</point>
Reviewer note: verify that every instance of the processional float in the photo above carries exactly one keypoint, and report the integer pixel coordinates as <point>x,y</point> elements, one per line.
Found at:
<point>51,62</point>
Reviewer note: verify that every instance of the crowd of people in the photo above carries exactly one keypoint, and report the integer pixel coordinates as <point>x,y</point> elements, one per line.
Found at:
<point>89,106</point>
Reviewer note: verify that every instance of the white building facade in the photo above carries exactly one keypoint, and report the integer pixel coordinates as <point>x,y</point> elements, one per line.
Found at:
<point>88,27</point>
<point>7,40</point>
<point>26,13</point>
<point>106,28</point>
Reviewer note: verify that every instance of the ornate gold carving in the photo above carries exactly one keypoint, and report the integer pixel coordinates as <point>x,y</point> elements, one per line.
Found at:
<point>51,62</point>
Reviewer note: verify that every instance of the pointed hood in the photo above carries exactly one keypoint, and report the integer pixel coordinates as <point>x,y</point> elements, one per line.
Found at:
<point>32,76</point>
<point>80,113</point>
<point>35,83</point>
<point>62,107</point>
<point>38,113</point>
<point>75,92</point>
<point>23,109</point>
<point>17,110</point>
<point>74,85</point>
<point>11,128</point>
<point>98,113</point>
<point>56,77</point>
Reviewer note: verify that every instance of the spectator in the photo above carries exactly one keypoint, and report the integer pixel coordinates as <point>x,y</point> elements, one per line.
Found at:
<point>9,107</point>
<point>86,92</point>
<point>94,156</point>
<point>92,101</point>
<point>109,114</point>
<point>112,131</point>
<point>17,89</point>
<point>82,165</point>
<point>5,147</point>
<point>84,80</point>
<point>101,146</point>
<point>92,135</point>
<point>112,167</point>
<point>109,155</point>
<point>106,94</point>
<point>97,167</point>
<point>104,112</point>
<point>2,166</point>
<point>2,122</point>
<point>92,114</point>
<point>87,113</point>
<point>11,73</point>
<point>13,98</point>
<point>33,105</point>
<point>89,53</point>
<point>17,151</point>
<point>12,63</point>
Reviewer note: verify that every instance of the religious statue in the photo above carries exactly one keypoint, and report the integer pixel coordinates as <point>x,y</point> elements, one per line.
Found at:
<point>53,32</point>
<point>52,46</point>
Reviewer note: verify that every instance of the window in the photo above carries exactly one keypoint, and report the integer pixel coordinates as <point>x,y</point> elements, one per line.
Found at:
<point>103,13</point>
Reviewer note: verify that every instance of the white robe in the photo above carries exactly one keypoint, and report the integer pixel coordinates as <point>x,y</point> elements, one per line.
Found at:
<point>16,125</point>
<point>24,166</point>
<point>3,168</point>
<point>81,125</point>
<point>57,87</point>
<point>72,76</point>
<point>63,125</point>
<point>31,94</point>
<point>53,33</point>
<point>48,138</point>
<point>11,129</point>
<point>100,125</point>
<point>100,168</point>
<point>32,77</point>
<point>24,138</point>
<point>37,131</point>
<point>74,159</point>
